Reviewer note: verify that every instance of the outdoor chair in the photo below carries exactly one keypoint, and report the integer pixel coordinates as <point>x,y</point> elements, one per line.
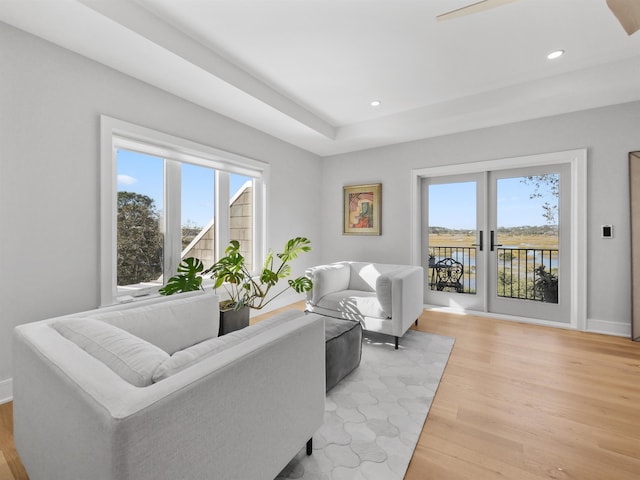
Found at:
<point>449,274</point>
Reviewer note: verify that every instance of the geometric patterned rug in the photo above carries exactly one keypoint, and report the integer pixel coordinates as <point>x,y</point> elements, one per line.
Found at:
<point>375,415</point>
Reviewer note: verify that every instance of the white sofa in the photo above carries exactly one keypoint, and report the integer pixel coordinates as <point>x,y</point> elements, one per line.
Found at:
<point>384,298</point>
<point>119,394</point>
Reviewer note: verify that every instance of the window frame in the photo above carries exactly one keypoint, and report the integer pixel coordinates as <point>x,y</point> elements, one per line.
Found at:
<point>117,134</point>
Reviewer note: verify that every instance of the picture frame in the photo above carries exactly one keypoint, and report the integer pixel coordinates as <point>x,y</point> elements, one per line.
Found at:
<point>362,207</point>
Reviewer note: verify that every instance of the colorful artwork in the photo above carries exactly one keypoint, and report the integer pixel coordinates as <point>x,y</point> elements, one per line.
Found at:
<point>362,209</point>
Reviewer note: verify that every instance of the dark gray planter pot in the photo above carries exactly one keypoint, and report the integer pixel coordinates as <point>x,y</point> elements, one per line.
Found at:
<point>550,294</point>
<point>232,320</point>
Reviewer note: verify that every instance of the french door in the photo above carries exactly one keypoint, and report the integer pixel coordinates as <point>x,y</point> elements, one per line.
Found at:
<point>499,241</point>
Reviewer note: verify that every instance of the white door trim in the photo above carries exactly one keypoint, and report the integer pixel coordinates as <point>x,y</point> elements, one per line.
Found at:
<point>577,159</point>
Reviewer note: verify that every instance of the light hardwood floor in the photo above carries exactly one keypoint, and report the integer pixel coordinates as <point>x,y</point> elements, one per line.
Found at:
<point>517,402</point>
<point>526,402</point>
<point>10,466</point>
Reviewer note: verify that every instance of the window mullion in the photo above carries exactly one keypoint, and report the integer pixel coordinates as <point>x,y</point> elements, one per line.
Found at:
<point>259,221</point>
<point>222,222</point>
<point>109,215</point>
<point>172,222</point>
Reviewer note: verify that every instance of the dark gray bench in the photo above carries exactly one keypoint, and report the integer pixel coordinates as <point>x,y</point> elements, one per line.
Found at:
<point>343,348</point>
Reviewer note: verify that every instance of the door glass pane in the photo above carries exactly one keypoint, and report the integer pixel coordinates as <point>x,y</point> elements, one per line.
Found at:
<point>241,215</point>
<point>527,223</point>
<point>140,235</point>
<point>452,235</point>
<point>197,213</point>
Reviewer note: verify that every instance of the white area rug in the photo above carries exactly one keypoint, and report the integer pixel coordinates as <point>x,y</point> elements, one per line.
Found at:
<point>374,416</point>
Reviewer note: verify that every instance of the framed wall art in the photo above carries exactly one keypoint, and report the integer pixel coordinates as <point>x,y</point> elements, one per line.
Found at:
<point>362,204</point>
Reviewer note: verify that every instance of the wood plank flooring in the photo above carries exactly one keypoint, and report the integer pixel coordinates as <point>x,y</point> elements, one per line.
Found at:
<point>526,402</point>
<point>516,401</point>
<point>10,466</point>
<point>5,471</point>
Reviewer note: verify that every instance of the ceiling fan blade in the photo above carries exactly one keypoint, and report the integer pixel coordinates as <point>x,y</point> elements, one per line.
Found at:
<point>476,7</point>
<point>627,12</point>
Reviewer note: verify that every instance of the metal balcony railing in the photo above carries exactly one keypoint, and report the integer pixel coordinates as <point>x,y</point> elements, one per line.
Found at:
<point>528,273</point>
<point>523,273</point>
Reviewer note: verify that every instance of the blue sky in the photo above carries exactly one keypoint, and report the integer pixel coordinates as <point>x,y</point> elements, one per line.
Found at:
<point>144,174</point>
<point>450,205</point>
<point>453,205</point>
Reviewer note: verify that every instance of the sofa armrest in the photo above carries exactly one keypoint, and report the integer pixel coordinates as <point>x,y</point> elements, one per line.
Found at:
<point>400,293</point>
<point>327,279</point>
<point>241,414</point>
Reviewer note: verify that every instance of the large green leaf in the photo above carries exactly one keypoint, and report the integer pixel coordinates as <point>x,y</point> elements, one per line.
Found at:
<point>188,278</point>
<point>301,284</point>
<point>295,247</point>
<point>191,266</point>
<point>285,271</point>
<point>234,247</point>
<point>268,263</point>
<point>268,277</point>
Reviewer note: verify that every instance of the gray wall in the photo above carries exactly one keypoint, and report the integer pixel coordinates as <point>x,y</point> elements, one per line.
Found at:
<point>609,134</point>
<point>50,102</point>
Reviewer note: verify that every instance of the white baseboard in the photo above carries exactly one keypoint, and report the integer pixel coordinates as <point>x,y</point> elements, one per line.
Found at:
<point>594,325</point>
<point>608,327</point>
<point>499,316</point>
<point>6,390</point>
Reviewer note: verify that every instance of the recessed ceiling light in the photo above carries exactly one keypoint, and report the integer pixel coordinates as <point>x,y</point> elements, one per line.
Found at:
<point>375,103</point>
<point>555,54</point>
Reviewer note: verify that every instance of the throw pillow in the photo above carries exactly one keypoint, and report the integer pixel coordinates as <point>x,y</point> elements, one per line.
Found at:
<point>131,357</point>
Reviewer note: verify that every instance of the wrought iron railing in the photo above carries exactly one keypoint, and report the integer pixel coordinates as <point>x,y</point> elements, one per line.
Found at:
<point>528,273</point>
<point>524,273</point>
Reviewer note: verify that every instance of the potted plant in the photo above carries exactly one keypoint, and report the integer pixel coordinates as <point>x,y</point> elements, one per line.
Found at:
<point>546,284</point>
<point>245,290</point>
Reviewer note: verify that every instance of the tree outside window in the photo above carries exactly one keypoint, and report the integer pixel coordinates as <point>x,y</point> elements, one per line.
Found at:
<point>140,242</point>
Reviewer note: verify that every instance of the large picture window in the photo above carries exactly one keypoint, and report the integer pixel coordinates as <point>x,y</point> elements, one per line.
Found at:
<point>165,199</point>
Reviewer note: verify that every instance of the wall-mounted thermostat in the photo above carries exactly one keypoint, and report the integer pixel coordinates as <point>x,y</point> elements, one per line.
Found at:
<point>607,231</point>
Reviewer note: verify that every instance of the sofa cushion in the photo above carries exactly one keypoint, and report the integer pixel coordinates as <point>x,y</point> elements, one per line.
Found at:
<point>196,353</point>
<point>327,279</point>
<point>171,326</point>
<point>363,276</point>
<point>131,357</point>
<point>353,303</point>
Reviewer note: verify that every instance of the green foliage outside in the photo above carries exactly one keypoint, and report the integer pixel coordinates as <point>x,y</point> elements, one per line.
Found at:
<point>535,284</point>
<point>140,242</point>
<point>546,186</point>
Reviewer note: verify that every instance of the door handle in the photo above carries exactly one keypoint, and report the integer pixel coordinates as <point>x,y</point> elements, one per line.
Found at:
<point>481,232</point>
<point>493,239</point>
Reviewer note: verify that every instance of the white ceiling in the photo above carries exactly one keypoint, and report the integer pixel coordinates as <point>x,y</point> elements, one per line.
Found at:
<point>306,71</point>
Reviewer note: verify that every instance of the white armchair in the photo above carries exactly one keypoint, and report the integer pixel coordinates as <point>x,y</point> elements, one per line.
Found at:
<point>384,298</point>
